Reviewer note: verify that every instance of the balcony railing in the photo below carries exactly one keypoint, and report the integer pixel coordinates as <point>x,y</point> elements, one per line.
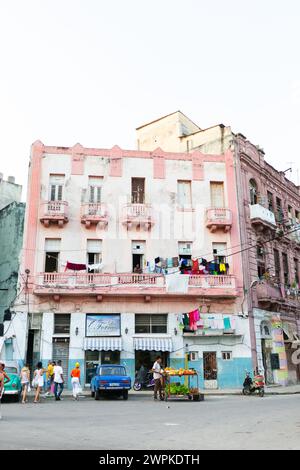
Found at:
<point>54,212</point>
<point>128,283</point>
<point>138,215</point>
<point>218,218</point>
<point>267,292</point>
<point>260,215</point>
<point>212,281</point>
<point>93,214</point>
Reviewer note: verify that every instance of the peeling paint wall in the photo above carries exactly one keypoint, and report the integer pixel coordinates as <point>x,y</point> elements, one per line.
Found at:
<point>9,192</point>
<point>11,238</point>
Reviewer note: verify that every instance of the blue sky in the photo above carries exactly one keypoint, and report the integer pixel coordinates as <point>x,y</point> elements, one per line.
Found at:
<point>91,71</point>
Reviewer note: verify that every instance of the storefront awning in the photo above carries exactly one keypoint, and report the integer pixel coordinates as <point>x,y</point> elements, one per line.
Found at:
<point>102,344</point>
<point>153,344</point>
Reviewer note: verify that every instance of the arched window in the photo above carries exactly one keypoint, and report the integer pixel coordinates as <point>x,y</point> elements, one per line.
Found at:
<point>265,329</point>
<point>253,192</point>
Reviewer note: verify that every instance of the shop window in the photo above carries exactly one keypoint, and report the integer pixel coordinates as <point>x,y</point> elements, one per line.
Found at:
<point>138,190</point>
<point>227,355</point>
<point>56,187</point>
<point>217,194</point>
<point>62,323</point>
<point>184,191</point>
<point>253,192</point>
<point>147,324</point>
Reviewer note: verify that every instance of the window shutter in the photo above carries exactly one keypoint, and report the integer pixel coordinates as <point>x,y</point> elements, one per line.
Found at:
<point>59,193</point>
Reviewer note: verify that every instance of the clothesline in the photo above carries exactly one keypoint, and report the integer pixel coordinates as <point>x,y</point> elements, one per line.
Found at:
<point>194,321</point>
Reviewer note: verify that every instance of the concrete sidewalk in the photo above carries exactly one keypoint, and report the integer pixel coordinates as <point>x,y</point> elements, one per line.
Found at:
<point>271,390</point>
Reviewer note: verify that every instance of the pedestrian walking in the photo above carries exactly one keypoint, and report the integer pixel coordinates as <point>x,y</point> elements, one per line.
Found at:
<point>157,375</point>
<point>3,380</point>
<point>25,382</point>
<point>49,378</point>
<point>75,374</point>
<point>38,381</point>
<point>58,380</point>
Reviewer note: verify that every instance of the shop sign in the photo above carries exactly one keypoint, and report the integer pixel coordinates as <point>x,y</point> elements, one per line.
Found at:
<point>103,325</point>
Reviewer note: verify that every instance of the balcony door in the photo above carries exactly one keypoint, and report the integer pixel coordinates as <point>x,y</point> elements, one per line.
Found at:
<point>52,251</point>
<point>138,190</point>
<point>217,194</point>
<point>56,187</point>
<point>95,189</point>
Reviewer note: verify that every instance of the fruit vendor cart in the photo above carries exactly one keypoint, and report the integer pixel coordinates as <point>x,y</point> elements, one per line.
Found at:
<point>177,390</point>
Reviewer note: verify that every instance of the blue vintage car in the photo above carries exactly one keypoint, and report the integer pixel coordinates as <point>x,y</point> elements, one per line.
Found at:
<point>110,379</point>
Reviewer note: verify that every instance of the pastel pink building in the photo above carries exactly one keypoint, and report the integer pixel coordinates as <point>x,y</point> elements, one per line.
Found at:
<point>107,232</point>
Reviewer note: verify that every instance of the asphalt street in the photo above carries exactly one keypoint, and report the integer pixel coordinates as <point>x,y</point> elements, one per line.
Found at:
<point>225,422</point>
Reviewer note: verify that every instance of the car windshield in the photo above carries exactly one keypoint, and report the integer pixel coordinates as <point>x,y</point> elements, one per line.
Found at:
<point>11,370</point>
<point>112,371</point>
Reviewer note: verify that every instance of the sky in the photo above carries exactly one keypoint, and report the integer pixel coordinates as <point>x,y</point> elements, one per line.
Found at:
<point>91,71</point>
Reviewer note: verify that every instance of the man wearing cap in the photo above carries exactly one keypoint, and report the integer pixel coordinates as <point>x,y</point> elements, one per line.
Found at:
<point>75,375</point>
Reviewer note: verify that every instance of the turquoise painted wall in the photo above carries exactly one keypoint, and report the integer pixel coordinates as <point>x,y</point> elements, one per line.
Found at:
<point>11,239</point>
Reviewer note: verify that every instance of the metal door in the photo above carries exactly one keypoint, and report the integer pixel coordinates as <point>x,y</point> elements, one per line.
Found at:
<point>210,370</point>
<point>61,353</point>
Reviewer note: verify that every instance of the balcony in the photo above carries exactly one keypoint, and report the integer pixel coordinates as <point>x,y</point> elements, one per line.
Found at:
<point>138,216</point>
<point>269,294</point>
<point>126,284</point>
<point>54,212</point>
<point>94,214</point>
<point>261,218</point>
<point>218,218</point>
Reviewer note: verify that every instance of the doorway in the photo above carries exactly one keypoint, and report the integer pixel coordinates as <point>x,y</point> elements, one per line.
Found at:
<point>61,353</point>
<point>147,359</point>
<point>210,370</point>
<point>266,350</point>
<point>137,263</point>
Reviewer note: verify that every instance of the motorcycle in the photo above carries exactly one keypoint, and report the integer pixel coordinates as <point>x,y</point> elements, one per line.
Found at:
<point>147,383</point>
<point>256,386</point>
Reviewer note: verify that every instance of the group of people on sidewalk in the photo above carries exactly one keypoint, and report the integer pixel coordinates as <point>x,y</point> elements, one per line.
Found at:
<point>52,384</point>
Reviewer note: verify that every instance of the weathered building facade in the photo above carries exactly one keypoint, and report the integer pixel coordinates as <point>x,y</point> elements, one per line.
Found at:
<point>268,213</point>
<point>11,238</point>
<point>105,230</point>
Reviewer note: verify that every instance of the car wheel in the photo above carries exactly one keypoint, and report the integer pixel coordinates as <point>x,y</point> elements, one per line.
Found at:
<point>125,395</point>
<point>97,394</point>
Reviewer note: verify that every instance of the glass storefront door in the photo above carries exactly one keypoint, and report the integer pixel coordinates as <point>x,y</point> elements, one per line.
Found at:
<point>94,358</point>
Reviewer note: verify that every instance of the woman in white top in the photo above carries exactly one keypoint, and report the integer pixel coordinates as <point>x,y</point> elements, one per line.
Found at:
<point>25,380</point>
<point>38,381</point>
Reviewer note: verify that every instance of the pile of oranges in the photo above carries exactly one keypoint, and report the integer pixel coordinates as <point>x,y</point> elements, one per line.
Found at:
<point>171,371</point>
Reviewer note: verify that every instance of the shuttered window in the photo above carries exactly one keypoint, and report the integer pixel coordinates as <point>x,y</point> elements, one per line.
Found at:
<point>151,323</point>
<point>95,189</point>
<point>62,323</point>
<point>184,193</point>
<point>56,187</point>
<point>217,194</point>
